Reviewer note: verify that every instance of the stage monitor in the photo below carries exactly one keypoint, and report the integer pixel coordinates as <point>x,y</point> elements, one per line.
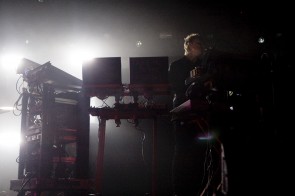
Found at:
<point>102,74</point>
<point>148,70</point>
<point>149,73</point>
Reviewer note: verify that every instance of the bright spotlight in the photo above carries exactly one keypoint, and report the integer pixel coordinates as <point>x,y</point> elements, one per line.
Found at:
<point>10,62</point>
<point>76,56</point>
<point>9,139</point>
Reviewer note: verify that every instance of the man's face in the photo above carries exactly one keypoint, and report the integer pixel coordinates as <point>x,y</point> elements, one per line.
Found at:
<point>196,48</point>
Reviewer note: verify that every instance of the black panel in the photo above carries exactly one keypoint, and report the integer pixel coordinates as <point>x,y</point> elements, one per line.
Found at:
<point>102,71</point>
<point>148,70</point>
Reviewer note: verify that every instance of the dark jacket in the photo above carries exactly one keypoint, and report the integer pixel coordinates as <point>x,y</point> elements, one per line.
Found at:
<point>182,85</point>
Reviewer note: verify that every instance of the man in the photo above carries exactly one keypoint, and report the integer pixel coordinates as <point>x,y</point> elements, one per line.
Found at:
<point>190,78</point>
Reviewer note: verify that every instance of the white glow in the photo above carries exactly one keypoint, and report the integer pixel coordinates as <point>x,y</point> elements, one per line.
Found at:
<point>138,43</point>
<point>208,137</point>
<point>77,55</point>
<point>261,40</point>
<point>10,61</point>
<point>6,108</point>
<point>9,139</point>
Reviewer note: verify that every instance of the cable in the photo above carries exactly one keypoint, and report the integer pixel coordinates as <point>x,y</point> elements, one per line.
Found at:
<point>17,87</point>
<point>16,105</point>
<point>24,183</point>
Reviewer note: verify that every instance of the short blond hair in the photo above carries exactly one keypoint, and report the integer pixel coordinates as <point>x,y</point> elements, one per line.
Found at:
<point>189,39</point>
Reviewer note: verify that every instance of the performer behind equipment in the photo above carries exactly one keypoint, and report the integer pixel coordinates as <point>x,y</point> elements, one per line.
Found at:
<point>191,77</point>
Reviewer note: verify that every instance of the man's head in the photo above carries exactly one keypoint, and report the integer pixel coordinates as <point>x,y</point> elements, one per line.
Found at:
<point>193,45</point>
